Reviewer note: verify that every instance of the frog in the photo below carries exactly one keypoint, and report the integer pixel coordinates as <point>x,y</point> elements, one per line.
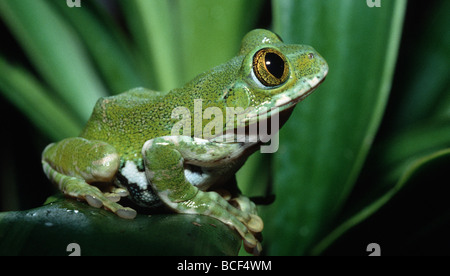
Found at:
<point>129,148</point>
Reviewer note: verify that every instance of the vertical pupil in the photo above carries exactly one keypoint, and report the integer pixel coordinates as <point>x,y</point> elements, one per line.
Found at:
<point>274,64</point>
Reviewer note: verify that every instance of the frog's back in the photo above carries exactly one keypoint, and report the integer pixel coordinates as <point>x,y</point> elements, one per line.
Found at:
<point>129,119</point>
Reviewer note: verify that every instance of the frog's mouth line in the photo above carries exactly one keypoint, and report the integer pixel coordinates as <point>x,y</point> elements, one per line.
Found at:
<point>249,131</point>
<point>307,93</point>
<point>283,103</point>
<point>312,89</point>
<point>248,127</point>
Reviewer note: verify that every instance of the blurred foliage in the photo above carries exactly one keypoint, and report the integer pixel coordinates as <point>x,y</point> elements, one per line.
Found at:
<point>368,144</point>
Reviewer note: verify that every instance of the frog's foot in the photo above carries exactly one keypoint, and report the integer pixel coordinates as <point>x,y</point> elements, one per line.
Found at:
<point>79,189</point>
<point>240,202</point>
<point>115,194</point>
<point>248,225</point>
<point>168,180</point>
<point>74,162</point>
<point>244,204</point>
<point>247,206</point>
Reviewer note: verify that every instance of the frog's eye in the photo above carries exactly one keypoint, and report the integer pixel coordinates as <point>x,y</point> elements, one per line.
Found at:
<point>270,67</point>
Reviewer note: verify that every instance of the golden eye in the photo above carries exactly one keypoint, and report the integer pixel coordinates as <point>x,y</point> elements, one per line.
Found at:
<point>270,67</point>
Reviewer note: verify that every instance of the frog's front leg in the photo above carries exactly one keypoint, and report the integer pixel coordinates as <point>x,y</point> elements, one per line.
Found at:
<point>73,163</point>
<point>165,158</point>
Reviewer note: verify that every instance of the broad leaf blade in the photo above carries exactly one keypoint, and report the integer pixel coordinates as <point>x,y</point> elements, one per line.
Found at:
<point>180,39</point>
<point>423,85</point>
<point>107,46</point>
<point>56,52</point>
<point>22,89</point>
<point>415,130</point>
<point>325,142</point>
<point>48,230</point>
<point>211,32</point>
<point>404,174</point>
<point>152,24</point>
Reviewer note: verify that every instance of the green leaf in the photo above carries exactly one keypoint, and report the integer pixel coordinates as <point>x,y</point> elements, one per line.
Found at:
<point>48,230</point>
<point>423,90</point>
<point>152,25</point>
<point>22,89</point>
<point>211,32</point>
<point>180,39</point>
<point>415,133</point>
<point>324,144</point>
<point>56,52</point>
<point>405,175</point>
<point>409,143</point>
<point>107,46</point>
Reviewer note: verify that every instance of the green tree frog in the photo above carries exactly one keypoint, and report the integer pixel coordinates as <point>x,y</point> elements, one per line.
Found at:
<point>128,146</point>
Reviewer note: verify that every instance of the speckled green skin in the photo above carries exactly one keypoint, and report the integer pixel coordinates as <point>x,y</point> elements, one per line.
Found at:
<point>133,130</point>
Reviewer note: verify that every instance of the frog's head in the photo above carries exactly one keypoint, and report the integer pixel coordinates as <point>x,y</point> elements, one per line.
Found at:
<point>274,75</point>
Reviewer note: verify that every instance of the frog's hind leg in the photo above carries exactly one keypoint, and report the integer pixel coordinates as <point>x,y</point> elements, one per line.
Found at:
<point>164,159</point>
<point>73,163</point>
